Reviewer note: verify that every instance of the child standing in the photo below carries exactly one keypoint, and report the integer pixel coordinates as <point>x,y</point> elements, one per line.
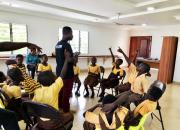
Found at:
<point>93,77</point>
<point>32,60</point>
<point>76,76</point>
<point>44,66</point>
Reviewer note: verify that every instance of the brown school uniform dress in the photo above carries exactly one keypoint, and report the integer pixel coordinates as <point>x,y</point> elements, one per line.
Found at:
<point>93,77</point>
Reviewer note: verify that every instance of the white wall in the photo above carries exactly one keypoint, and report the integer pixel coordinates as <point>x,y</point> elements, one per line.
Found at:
<point>157,39</point>
<point>44,32</point>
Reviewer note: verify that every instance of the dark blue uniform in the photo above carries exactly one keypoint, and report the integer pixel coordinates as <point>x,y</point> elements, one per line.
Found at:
<point>60,48</point>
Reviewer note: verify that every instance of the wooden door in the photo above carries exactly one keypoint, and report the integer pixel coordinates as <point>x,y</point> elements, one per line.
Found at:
<point>142,44</point>
<point>168,58</point>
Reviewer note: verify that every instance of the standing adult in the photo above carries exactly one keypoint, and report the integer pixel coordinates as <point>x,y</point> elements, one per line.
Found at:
<point>32,60</point>
<point>61,47</point>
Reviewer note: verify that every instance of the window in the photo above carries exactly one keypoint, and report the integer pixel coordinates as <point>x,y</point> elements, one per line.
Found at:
<point>19,34</point>
<point>80,42</point>
<point>15,33</point>
<point>4,35</point>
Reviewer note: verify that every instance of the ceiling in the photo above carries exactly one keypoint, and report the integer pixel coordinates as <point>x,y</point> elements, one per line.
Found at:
<point>117,12</point>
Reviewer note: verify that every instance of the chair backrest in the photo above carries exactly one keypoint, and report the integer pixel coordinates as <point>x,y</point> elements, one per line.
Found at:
<point>13,119</point>
<point>40,110</point>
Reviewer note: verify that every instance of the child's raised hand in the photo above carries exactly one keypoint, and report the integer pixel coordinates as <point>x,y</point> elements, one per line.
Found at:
<point>76,53</point>
<point>39,49</point>
<point>120,50</point>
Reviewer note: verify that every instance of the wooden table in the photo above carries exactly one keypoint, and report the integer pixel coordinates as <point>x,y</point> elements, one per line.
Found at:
<point>151,62</point>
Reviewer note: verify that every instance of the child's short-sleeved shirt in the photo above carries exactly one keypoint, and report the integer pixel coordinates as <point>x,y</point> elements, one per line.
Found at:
<point>139,84</point>
<point>32,59</point>
<point>116,72</point>
<point>1,104</point>
<point>94,69</point>
<point>29,84</point>
<point>49,95</point>
<point>145,107</point>
<point>12,91</point>
<point>42,67</point>
<point>93,117</point>
<point>76,70</point>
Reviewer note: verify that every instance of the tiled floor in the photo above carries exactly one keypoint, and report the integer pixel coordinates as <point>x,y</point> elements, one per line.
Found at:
<point>170,103</point>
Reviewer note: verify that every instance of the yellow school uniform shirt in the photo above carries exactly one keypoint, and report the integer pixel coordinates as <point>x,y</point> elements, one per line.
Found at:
<point>76,70</point>
<point>94,69</point>
<point>93,117</point>
<point>49,95</point>
<point>145,107</point>
<point>29,84</point>
<point>1,104</point>
<point>42,67</point>
<point>116,71</point>
<point>139,84</point>
<point>12,91</point>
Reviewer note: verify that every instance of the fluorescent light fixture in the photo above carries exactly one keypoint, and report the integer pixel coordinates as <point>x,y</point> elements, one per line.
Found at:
<point>150,8</point>
<point>15,5</point>
<point>149,3</point>
<point>144,25</point>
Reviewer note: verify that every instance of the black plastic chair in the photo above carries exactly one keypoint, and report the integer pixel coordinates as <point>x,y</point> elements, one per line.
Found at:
<point>35,110</point>
<point>122,81</point>
<point>11,117</point>
<point>160,115</point>
<point>102,70</point>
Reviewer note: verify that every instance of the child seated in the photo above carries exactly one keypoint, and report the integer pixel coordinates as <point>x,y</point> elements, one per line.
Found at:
<point>137,77</point>
<point>138,83</point>
<point>111,118</point>
<point>29,84</point>
<point>49,92</point>
<point>93,77</point>
<point>129,118</point>
<point>114,77</point>
<point>44,66</point>
<point>13,91</point>
<point>76,76</point>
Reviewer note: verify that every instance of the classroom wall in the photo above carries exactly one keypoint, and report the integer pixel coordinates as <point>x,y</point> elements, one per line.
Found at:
<point>44,32</point>
<point>157,39</point>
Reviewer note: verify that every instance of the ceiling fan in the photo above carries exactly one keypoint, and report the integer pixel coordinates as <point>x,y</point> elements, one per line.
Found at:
<point>122,24</point>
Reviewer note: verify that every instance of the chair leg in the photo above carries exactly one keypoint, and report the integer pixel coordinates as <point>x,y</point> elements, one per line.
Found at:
<point>84,91</point>
<point>151,116</point>
<point>112,91</point>
<point>161,119</point>
<point>98,91</point>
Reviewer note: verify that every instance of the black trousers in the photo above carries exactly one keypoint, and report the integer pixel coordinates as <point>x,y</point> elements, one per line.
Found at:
<point>31,69</point>
<point>8,120</point>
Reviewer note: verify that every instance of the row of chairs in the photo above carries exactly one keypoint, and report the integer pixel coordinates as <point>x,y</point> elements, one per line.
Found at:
<point>32,110</point>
